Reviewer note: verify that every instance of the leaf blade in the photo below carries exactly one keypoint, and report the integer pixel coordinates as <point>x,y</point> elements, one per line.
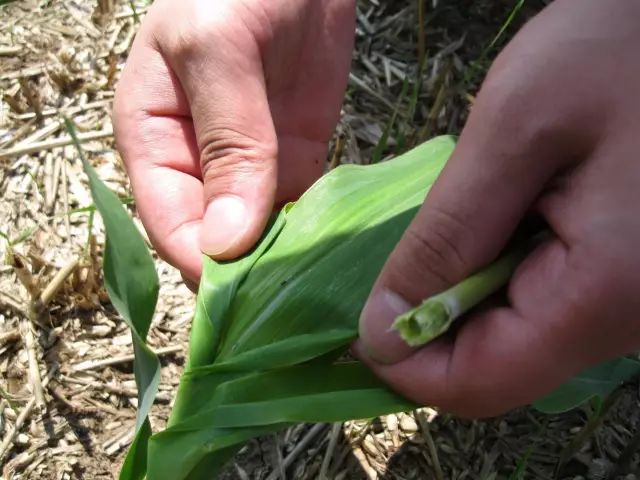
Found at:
<point>598,381</point>
<point>132,283</point>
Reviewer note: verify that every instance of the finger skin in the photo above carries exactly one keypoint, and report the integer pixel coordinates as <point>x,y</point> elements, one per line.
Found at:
<point>532,142</point>
<point>156,139</point>
<point>206,108</point>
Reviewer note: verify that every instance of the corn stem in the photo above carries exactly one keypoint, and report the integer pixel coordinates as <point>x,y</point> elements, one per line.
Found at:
<point>436,314</point>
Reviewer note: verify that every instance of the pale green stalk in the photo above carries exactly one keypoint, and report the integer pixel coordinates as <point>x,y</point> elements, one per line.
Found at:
<point>436,314</point>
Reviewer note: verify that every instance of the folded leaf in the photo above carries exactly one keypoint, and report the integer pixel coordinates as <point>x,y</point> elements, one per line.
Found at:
<point>271,329</point>
<point>220,282</point>
<point>132,284</point>
<point>130,278</point>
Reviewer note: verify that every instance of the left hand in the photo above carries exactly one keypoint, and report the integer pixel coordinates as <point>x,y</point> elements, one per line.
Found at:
<point>225,108</point>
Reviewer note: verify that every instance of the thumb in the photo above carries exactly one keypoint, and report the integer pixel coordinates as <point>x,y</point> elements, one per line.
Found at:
<point>226,91</point>
<point>239,176</point>
<point>494,176</point>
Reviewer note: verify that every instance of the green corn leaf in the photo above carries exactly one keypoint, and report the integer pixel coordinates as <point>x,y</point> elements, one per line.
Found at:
<point>267,401</point>
<point>595,382</point>
<point>271,329</point>
<point>270,398</point>
<point>318,272</point>
<point>130,278</point>
<point>135,463</point>
<point>199,453</point>
<point>132,284</point>
<point>221,281</point>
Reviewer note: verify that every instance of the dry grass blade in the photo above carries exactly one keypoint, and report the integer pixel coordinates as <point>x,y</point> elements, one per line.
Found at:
<point>331,447</point>
<point>102,363</point>
<point>29,282</point>
<point>10,336</point>
<point>54,143</point>
<point>20,420</point>
<point>298,449</point>
<point>433,450</point>
<point>54,286</point>
<point>26,328</point>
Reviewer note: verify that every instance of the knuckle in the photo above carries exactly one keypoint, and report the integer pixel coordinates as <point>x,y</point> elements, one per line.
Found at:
<point>228,157</point>
<point>461,402</point>
<point>506,108</point>
<point>594,291</point>
<point>188,41</point>
<point>183,43</point>
<point>537,111</point>
<point>222,22</point>
<point>124,118</point>
<point>437,246</point>
<point>124,105</point>
<point>195,30</point>
<point>456,394</point>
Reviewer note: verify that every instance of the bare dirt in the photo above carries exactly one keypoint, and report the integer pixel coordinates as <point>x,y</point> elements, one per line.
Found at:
<point>63,57</point>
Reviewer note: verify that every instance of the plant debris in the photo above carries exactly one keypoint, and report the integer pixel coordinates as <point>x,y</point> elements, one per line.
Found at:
<point>414,75</point>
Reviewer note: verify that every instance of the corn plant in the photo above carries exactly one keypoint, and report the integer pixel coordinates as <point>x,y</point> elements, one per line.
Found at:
<point>132,284</point>
<point>271,329</point>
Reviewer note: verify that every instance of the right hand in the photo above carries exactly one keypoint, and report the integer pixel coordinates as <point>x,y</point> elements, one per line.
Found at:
<point>554,131</point>
<point>224,109</point>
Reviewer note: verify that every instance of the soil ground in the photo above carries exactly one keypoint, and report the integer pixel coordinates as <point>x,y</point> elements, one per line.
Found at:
<point>64,57</point>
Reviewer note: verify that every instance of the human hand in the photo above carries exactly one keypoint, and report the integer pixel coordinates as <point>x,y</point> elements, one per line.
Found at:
<point>224,109</point>
<point>555,130</point>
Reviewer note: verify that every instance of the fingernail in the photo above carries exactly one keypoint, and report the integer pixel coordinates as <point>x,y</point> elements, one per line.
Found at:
<point>378,340</point>
<point>223,224</point>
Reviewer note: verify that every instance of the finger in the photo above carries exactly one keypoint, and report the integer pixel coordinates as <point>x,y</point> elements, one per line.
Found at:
<point>218,64</point>
<point>468,216</point>
<point>504,159</point>
<point>190,284</point>
<point>506,357</point>
<point>572,301</point>
<point>157,142</point>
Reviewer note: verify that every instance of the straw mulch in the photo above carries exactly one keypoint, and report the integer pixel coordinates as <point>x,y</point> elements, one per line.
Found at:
<point>67,392</point>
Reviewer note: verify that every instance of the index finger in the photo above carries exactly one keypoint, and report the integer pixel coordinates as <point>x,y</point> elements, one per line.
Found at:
<point>155,136</point>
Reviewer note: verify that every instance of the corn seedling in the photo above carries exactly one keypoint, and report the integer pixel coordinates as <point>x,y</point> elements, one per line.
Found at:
<point>22,236</point>
<point>132,284</point>
<point>270,329</point>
